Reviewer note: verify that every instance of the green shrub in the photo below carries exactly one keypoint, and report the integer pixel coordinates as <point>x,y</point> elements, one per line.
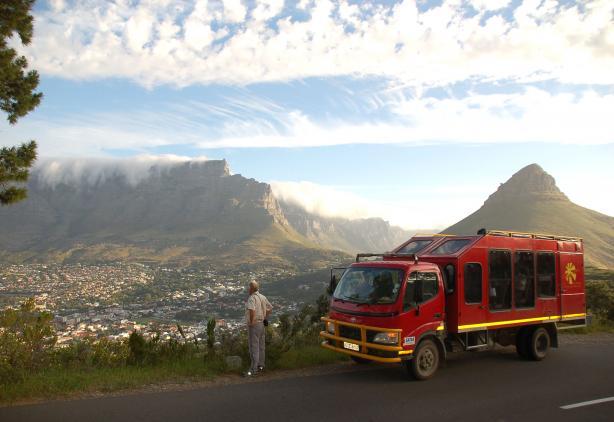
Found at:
<point>26,339</point>
<point>600,300</point>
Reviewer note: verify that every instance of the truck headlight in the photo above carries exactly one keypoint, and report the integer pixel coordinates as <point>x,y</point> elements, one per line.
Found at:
<point>330,327</point>
<point>386,338</point>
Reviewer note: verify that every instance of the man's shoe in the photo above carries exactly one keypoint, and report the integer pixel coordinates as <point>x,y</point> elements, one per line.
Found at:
<point>248,374</point>
<point>260,368</point>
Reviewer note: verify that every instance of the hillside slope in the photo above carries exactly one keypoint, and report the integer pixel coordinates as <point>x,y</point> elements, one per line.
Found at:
<point>531,201</point>
<point>352,236</point>
<point>195,211</point>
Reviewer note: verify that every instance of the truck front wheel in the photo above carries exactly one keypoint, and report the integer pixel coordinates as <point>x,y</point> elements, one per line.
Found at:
<point>425,361</point>
<point>539,343</point>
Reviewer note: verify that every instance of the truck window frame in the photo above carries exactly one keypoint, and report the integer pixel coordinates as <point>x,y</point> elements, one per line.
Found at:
<point>413,304</point>
<point>511,280</point>
<point>534,266</point>
<point>539,295</point>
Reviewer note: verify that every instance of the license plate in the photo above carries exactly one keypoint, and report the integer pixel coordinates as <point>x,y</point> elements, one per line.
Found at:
<point>351,346</point>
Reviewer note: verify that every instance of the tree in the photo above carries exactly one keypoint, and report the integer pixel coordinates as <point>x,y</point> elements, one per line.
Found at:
<point>17,96</point>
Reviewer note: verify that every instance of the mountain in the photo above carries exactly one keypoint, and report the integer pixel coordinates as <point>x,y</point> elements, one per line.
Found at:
<point>188,212</point>
<point>195,211</point>
<point>530,201</point>
<point>352,236</point>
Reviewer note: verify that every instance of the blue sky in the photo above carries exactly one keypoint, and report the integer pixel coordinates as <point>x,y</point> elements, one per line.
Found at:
<point>412,111</point>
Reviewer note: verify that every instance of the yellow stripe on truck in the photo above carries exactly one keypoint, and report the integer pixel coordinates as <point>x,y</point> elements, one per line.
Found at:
<point>519,321</point>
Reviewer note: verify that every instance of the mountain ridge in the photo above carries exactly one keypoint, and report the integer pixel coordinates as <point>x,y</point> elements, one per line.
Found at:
<point>530,201</point>
<point>184,211</point>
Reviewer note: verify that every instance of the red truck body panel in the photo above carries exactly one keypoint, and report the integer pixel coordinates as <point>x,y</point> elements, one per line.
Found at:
<point>500,280</point>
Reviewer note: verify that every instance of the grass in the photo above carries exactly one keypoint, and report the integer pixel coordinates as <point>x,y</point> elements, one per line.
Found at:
<point>58,382</point>
<point>306,356</point>
<point>596,326</point>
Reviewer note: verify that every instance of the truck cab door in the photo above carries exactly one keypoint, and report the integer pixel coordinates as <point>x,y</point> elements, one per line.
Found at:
<point>423,305</point>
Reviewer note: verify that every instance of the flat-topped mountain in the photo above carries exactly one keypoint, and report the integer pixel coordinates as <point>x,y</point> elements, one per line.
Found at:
<point>189,211</point>
<point>531,201</point>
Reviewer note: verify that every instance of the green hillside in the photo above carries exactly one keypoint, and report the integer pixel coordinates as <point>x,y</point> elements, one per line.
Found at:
<point>530,201</point>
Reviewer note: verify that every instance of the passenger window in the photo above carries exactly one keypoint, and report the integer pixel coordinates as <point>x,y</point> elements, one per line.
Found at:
<point>546,274</point>
<point>450,247</point>
<point>421,287</point>
<point>524,280</point>
<point>499,280</point>
<point>415,246</point>
<point>473,283</point>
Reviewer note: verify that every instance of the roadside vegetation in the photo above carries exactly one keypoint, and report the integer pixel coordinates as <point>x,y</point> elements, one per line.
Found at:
<point>599,300</point>
<point>32,366</point>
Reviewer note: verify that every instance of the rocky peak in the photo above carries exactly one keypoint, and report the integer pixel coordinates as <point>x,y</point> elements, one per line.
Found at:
<point>529,182</point>
<point>198,169</point>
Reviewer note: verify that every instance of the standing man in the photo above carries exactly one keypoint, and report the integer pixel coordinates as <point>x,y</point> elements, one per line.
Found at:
<point>257,311</point>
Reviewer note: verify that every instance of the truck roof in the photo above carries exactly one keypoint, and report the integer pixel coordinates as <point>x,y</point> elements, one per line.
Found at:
<point>396,264</point>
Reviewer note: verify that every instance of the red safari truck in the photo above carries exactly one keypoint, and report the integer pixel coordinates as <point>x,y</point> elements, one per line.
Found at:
<point>436,294</point>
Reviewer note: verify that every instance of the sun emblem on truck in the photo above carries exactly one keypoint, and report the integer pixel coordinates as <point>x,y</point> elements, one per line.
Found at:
<point>570,272</point>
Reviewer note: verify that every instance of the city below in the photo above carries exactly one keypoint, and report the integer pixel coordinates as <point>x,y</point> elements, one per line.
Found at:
<point>112,300</point>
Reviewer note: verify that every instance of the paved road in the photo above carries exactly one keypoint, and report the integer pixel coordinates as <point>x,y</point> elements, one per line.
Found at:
<point>487,386</point>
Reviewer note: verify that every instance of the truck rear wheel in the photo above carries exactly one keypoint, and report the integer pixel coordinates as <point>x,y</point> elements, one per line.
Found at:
<point>539,343</point>
<point>425,361</point>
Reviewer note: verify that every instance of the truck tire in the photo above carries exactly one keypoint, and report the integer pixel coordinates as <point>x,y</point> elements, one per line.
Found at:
<point>360,361</point>
<point>539,343</point>
<point>425,360</point>
<point>522,343</point>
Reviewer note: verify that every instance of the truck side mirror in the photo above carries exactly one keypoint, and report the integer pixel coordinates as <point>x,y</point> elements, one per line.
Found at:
<point>449,277</point>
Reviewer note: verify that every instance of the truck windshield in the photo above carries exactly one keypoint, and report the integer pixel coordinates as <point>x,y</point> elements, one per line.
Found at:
<point>370,285</point>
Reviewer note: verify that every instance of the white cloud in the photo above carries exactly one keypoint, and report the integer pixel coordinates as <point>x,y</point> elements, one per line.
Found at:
<point>490,4</point>
<point>234,11</point>
<point>323,200</point>
<point>425,210</point>
<point>92,171</point>
<point>85,39</point>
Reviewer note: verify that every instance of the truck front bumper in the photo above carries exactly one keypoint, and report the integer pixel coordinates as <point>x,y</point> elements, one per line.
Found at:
<point>352,339</point>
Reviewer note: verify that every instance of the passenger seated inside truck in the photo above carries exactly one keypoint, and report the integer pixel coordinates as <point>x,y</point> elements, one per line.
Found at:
<point>370,285</point>
<point>383,288</point>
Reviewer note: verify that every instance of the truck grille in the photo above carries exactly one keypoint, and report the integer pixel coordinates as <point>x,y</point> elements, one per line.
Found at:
<point>349,332</point>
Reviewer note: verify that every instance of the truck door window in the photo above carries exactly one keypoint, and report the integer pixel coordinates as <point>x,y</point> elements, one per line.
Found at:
<point>546,274</point>
<point>473,283</point>
<point>499,280</point>
<point>524,280</point>
<point>421,287</point>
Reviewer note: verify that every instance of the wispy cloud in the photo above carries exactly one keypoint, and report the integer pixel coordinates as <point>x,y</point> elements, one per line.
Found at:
<point>236,42</point>
<point>248,121</point>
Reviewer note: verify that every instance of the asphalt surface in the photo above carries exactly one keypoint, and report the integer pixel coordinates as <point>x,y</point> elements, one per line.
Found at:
<point>483,386</point>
